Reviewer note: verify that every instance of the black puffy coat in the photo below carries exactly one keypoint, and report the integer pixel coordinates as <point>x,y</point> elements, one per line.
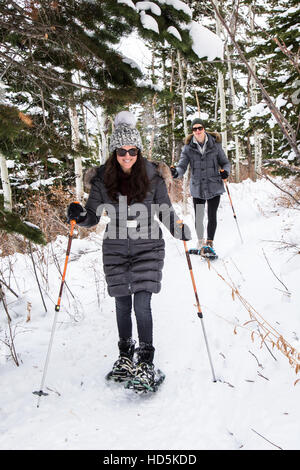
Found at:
<point>132,265</point>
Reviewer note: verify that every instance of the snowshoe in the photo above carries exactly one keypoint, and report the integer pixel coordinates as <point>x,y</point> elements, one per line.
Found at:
<point>208,252</point>
<point>194,251</point>
<point>123,370</point>
<point>146,379</point>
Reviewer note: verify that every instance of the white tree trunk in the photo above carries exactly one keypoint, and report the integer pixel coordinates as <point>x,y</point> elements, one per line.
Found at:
<point>254,101</point>
<point>77,160</point>
<point>103,148</point>
<point>185,127</point>
<point>221,89</point>
<point>5,183</point>
<point>172,111</point>
<point>234,106</point>
<point>223,110</point>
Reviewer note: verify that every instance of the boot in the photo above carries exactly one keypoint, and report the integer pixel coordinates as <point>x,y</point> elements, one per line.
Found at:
<point>208,250</point>
<point>123,368</point>
<point>144,372</point>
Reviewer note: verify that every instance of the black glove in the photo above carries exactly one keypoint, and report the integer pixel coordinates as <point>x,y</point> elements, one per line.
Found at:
<point>224,174</point>
<point>174,172</point>
<point>76,212</point>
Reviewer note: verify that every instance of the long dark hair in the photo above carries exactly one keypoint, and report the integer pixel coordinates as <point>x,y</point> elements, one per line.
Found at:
<point>139,181</point>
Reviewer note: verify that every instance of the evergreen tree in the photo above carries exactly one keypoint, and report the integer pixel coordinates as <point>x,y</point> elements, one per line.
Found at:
<point>11,223</point>
<point>45,44</point>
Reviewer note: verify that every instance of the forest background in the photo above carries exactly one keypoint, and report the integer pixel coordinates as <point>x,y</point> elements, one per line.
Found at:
<point>64,74</point>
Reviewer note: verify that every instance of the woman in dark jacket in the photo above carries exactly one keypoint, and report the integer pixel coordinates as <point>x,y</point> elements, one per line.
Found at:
<point>132,191</point>
<point>203,151</point>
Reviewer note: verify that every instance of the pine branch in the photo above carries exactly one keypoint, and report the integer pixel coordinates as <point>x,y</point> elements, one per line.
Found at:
<point>11,223</point>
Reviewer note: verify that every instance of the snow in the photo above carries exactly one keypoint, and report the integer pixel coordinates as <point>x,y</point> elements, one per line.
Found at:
<point>54,160</point>
<point>205,42</point>
<point>31,225</point>
<point>280,101</point>
<point>129,3</point>
<point>149,22</point>
<point>43,182</point>
<point>178,5</point>
<point>149,6</point>
<point>175,32</point>
<point>135,50</point>
<point>10,163</point>
<point>254,404</point>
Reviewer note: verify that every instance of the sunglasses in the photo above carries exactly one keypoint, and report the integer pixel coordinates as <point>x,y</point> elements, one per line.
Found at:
<point>132,152</point>
<point>200,128</point>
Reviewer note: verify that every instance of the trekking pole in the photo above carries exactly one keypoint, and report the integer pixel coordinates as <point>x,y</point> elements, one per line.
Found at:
<point>200,314</point>
<point>57,308</point>
<point>234,214</point>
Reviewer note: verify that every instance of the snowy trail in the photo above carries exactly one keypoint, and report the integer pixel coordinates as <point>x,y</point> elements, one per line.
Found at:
<point>255,393</point>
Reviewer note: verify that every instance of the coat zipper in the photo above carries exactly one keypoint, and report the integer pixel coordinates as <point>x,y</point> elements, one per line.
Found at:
<point>129,283</point>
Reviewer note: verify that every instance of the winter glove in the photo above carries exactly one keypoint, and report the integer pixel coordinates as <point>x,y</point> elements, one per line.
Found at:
<point>224,174</point>
<point>174,172</point>
<point>76,212</point>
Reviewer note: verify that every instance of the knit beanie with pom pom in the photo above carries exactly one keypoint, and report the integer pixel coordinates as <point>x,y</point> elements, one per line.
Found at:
<point>125,132</point>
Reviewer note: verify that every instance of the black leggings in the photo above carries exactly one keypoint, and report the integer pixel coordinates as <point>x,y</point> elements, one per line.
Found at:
<point>212,208</point>
<point>143,314</point>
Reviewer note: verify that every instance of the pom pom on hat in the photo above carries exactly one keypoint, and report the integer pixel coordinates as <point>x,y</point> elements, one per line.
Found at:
<point>125,132</point>
<point>125,117</point>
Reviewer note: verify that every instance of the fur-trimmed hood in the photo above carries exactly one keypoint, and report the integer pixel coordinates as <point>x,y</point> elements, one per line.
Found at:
<point>215,135</point>
<point>152,167</point>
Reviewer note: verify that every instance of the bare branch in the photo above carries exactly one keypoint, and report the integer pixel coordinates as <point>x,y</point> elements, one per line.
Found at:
<point>284,125</point>
<point>281,189</point>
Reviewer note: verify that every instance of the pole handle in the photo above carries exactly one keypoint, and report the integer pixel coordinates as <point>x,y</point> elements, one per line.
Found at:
<point>225,179</point>
<point>73,221</point>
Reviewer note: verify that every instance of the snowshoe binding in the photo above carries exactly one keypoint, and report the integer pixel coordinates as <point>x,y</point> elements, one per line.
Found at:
<point>124,368</point>
<point>146,378</point>
<point>206,251</point>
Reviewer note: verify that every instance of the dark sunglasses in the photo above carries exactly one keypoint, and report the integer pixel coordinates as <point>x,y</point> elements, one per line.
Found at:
<point>132,152</point>
<point>200,128</point>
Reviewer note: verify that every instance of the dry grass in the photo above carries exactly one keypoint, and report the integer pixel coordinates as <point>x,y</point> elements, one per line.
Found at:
<point>265,332</point>
<point>48,212</point>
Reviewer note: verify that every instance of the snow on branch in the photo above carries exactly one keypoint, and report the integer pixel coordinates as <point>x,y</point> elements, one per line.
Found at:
<point>129,3</point>
<point>175,32</point>
<point>205,42</point>
<point>149,22</point>
<point>155,9</point>
<point>178,5</point>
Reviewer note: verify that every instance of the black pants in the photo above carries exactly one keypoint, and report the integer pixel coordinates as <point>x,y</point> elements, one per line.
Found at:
<point>143,314</point>
<point>212,208</point>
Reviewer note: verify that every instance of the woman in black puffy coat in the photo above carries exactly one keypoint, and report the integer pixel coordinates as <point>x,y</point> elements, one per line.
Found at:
<point>132,191</point>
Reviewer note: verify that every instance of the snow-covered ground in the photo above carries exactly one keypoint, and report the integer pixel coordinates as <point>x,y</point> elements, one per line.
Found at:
<point>254,404</point>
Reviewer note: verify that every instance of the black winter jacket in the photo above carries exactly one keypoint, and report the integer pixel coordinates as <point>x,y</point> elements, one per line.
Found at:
<point>132,264</point>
